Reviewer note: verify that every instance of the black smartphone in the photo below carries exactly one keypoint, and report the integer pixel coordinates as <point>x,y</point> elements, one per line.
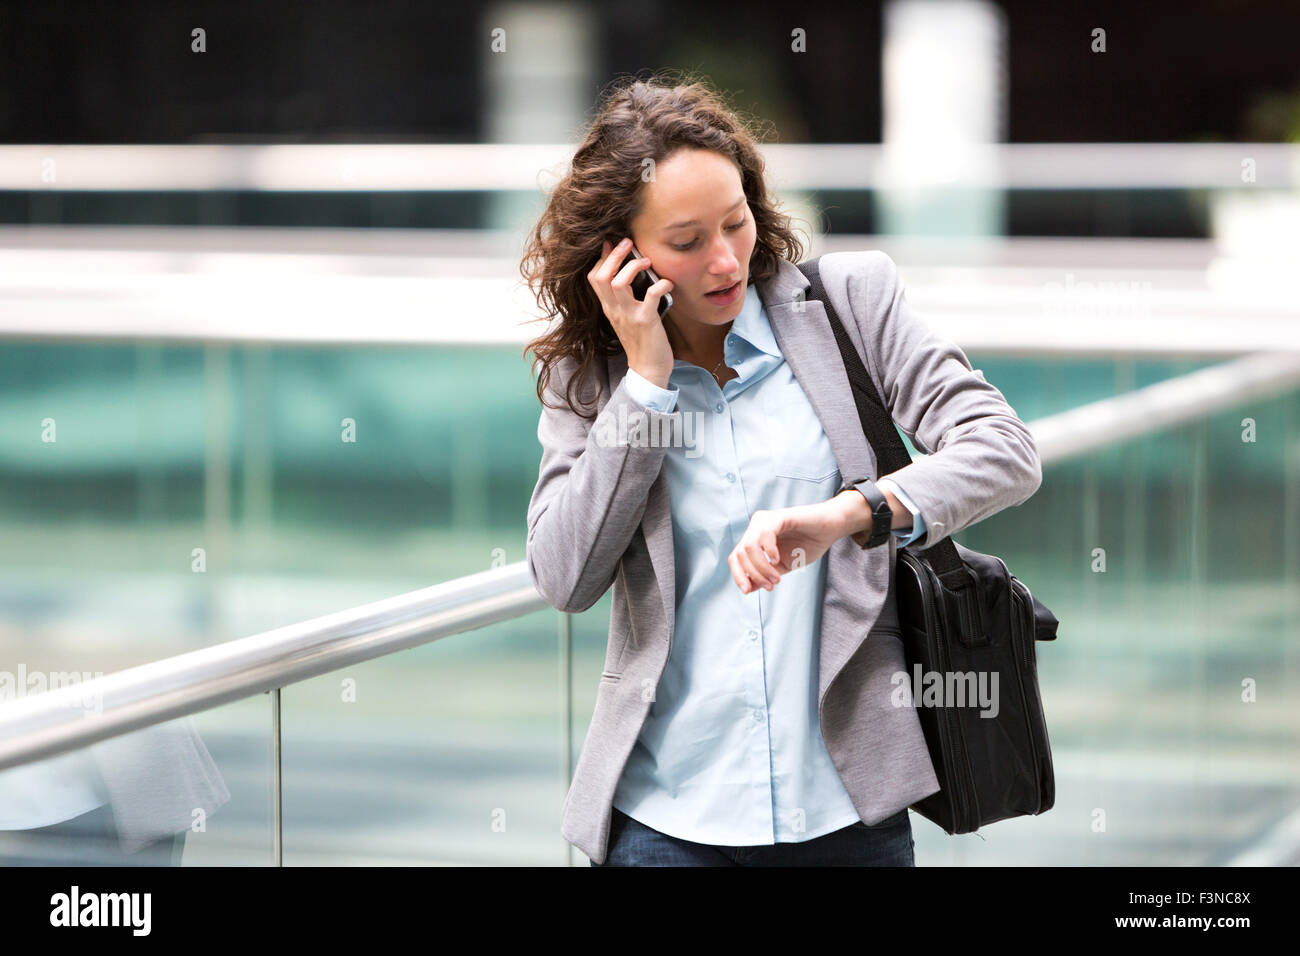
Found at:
<point>644,280</point>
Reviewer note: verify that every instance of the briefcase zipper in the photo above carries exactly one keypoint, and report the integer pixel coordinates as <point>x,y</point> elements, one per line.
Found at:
<point>959,761</point>
<point>961,754</point>
<point>1018,635</point>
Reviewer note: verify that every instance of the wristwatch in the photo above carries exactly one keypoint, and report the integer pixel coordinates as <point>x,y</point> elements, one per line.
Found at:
<point>881,515</point>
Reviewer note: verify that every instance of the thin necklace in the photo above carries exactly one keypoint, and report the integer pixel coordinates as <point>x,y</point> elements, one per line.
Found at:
<point>714,373</point>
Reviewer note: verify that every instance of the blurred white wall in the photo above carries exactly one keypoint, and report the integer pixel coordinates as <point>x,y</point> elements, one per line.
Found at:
<point>944,97</point>
<point>540,71</point>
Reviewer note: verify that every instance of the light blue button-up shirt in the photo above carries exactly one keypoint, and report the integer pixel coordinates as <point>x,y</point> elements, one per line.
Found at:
<point>731,752</point>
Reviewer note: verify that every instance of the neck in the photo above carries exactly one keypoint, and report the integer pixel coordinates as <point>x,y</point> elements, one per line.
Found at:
<point>696,342</point>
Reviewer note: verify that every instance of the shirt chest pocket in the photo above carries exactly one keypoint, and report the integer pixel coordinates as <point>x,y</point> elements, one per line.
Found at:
<point>797,442</point>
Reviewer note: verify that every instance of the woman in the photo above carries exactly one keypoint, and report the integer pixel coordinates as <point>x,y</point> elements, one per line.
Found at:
<point>704,464</point>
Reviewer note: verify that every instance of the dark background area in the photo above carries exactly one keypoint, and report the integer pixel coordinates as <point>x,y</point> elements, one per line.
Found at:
<point>82,71</point>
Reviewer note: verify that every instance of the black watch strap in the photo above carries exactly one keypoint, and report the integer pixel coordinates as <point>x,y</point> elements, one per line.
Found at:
<point>882,515</point>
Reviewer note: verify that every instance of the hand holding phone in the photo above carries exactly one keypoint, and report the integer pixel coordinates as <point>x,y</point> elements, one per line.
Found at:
<point>644,279</point>
<point>623,281</point>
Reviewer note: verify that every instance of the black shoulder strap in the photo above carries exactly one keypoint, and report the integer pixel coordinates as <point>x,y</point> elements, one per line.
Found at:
<point>891,455</point>
<point>878,424</point>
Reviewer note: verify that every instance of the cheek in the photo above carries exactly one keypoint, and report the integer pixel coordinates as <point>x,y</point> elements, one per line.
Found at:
<point>679,270</point>
<point>691,269</point>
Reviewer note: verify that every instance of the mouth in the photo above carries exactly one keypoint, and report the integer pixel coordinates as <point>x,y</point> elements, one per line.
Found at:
<point>725,290</point>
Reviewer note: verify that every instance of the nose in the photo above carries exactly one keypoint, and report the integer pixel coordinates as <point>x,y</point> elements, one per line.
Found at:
<point>725,262</point>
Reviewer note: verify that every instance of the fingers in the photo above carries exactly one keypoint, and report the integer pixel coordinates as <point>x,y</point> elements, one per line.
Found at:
<point>624,279</point>
<point>756,561</point>
<point>611,258</point>
<point>738,574</point>
<point>658,290</point>
<point>751,566</point>
<point>767,542</point>
<point>606,268</point>
<point>614,291</point>
<point>603,271</point>
<point>600,275</point>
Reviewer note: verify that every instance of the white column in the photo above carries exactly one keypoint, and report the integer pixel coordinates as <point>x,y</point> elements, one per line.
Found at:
<point>541,89</point>
<point>944,102</point>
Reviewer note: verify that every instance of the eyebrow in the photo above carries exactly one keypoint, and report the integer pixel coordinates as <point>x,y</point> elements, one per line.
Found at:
<point>696,222</point>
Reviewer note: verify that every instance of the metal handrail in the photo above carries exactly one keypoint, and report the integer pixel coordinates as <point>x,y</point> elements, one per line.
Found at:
<point>380,167</point>
<point>51,723</point>
<point>1175,401</point>
<point>54,722</point>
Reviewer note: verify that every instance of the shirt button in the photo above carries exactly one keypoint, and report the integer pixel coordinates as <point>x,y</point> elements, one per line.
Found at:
<point>753,635</point>
<point>730,476</point>
<point>718,407</point>
<point>758,716</point>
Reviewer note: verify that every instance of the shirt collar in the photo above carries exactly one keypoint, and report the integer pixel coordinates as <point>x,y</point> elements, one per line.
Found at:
<point>752,324</point>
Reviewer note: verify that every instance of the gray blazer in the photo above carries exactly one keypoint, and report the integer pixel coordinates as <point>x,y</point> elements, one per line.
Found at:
<point>600,516</point>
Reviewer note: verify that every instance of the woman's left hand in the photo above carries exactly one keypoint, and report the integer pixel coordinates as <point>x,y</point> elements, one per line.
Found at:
<point>794,537</point>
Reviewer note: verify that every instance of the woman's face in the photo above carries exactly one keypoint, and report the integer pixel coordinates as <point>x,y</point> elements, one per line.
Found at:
<point>697,230</point>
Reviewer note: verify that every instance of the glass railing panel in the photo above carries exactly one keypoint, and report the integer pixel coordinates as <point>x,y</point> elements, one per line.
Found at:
<point>195,791</point>
<point>1173,690</point>
<point>448,753</point>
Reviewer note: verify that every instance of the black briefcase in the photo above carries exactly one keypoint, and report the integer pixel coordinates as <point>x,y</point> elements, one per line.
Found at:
<point>965,619</point>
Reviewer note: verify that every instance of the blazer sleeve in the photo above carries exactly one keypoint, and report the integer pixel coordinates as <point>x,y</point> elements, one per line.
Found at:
<point>981,458</point>
<point>593,485</point>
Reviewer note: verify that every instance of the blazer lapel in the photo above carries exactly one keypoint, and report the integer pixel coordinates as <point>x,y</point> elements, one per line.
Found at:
<point>656,524</point>
<point>802,330</point>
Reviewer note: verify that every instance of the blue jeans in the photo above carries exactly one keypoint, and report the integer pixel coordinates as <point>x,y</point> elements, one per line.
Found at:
<point>887,843</point>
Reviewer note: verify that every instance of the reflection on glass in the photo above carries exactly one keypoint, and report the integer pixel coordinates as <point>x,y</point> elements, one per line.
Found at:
<point>127,801</point>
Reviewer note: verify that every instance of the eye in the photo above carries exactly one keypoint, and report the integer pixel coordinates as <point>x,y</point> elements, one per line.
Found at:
<point>691,245</point>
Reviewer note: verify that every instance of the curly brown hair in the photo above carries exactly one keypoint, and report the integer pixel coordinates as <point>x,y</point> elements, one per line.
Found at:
<point>601,193</point>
